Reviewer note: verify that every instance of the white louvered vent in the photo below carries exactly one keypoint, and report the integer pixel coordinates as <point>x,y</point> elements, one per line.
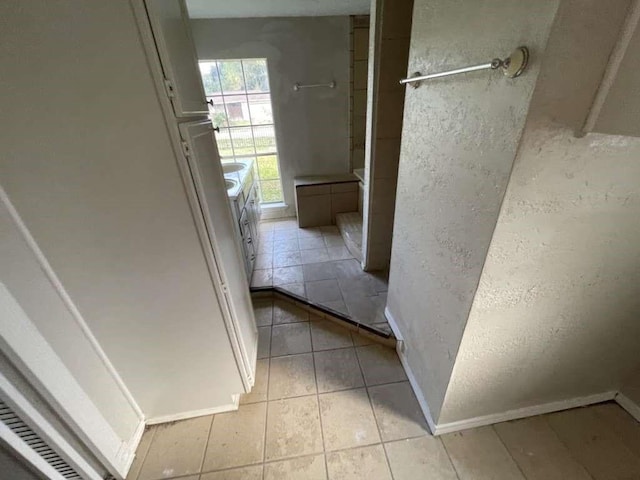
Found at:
<point>9,418</point>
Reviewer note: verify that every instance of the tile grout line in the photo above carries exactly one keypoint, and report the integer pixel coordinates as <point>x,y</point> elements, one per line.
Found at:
<point>544,417</point>
<point>455,470</point>
<point>239,467</point>
<point>294,457</point>
<point>373,412</point>
<point>266,414</point>
<point>412,437</point>
<point>266,417</point>
<point>323,350</point>
<point>206,444</point>
<point>144,457</point>
<point>281,459</point>
<point>508,451</point>
<point>270,341</point>
<point>325,393</point>
<point>324,450</point>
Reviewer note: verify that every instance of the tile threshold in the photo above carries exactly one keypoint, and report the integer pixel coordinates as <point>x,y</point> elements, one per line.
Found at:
<point>326,310</point>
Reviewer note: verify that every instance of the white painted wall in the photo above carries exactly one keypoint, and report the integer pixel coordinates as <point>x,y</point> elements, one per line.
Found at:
<point>312,126</point>
<point>86,160</point>
<point>555,316</point>
<point>23,275</point>
<point>459,140</point>
<point>275,8</point>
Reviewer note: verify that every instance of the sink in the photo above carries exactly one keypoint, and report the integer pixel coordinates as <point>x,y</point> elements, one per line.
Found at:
<point>233,167</point>
<point>230,183</point>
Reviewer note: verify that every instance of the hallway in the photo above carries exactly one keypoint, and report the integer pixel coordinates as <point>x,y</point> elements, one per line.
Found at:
<point>329,404</point>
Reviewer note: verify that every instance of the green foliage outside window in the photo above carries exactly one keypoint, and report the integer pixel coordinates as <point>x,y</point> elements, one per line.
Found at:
<point>242,136</point>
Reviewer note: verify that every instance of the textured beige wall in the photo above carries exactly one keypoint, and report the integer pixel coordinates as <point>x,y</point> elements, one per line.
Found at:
<point>312,126</point>
<point>555,316</point>
<point>459,140</point>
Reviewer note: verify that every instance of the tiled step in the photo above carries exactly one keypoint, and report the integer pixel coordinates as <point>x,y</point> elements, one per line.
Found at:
<point>367,331</point>
<point>350,226</point>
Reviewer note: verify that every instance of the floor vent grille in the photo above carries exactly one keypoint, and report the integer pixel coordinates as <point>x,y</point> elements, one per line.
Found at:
<point>9,418</point>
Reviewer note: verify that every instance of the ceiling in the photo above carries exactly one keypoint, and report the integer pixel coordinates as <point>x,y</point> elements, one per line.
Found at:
<point>275,8</point>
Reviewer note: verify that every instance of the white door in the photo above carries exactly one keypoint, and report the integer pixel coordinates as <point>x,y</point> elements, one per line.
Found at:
<point>201,152</point>
<point>172,34</point>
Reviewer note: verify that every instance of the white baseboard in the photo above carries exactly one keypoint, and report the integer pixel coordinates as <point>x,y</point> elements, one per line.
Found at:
<point>131,447</point>
<point>393,324</point>
<point>196,413</point>
<point>400,348</point>
<point>629,405</point>
<point>128,450</point>
<point>273,212</point>
<point>523,412</point>
<point>442,428</point>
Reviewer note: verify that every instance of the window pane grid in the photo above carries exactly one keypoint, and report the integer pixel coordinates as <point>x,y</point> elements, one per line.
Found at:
<point>242,109</point>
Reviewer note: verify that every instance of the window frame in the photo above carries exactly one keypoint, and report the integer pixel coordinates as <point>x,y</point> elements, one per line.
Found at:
<point>227,130</point>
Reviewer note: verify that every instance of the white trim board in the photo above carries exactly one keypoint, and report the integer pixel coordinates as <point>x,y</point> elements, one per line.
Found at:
<point>128,449</point>
<point>629,405</point>
<point>524,412</point>
<point>412,379</point>
<point>443,428</point>
<point>197,413</point>
<point>274,212</point>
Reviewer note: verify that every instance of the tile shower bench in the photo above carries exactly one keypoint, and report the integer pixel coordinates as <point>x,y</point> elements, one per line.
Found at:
<point>320,198</point>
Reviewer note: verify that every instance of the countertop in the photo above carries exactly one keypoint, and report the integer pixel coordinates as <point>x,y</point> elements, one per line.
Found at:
<point>240,177</point>
<point>322,179</point>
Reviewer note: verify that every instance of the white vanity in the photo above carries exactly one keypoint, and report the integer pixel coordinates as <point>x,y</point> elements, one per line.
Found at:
<point>242,190</point>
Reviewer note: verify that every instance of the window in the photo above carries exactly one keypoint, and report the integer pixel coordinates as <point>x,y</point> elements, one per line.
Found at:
<point>243,111</point>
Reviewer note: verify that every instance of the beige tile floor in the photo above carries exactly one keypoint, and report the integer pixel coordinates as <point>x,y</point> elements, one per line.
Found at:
<point>330,405</point>
<point>315,263</point>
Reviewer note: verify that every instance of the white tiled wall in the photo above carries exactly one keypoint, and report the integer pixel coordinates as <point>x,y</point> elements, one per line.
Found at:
<point>317,205</point>
<point>359,67</point>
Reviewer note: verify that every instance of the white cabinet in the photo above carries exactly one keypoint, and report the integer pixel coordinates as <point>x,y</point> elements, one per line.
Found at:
<point>246,210</point>
<point>253,210</point>
<point>175,50</point>
<point>199,164</point>
<point>201,152</point>
<point>172,34</point>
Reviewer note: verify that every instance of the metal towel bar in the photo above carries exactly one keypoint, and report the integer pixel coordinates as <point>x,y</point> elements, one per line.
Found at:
<point>512,67</point>
<point>298,86</point>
